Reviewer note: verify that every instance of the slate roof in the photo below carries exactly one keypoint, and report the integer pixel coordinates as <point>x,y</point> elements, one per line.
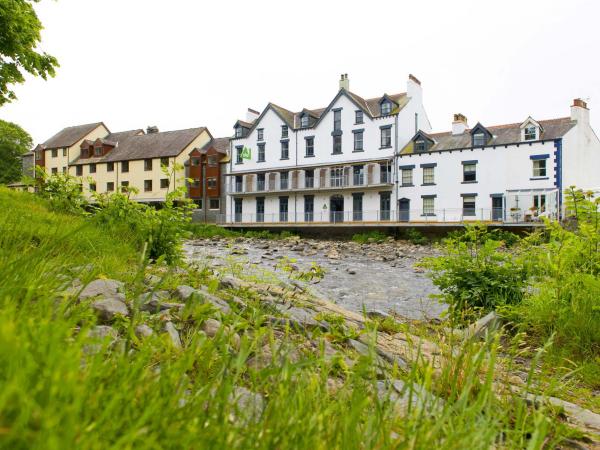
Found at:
<point>132,146</point>
<point>154,145</point>
<point>70,135</point>
<point>221,145</point>
<point>501,135</point>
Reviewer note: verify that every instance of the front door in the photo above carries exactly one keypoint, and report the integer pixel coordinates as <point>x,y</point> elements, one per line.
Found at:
<point>497,209</point>
<point>404,210</point>
<point>384,205</point>
<point>336,208</point>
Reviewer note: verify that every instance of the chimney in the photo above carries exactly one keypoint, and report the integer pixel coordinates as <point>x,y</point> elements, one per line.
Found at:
<point>413,88</point>
<point>344,82</point>
<point>459,124</point>
<point>580,111</point>
<point>251,115</point>
<point>152,129</point>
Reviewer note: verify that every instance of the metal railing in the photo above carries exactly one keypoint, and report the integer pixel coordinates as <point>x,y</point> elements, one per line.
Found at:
<point>305,184</point>
<point>447,215</point>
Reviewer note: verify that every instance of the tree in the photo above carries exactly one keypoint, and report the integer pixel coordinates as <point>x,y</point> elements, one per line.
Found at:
<point>14,141</point>
<point>19,35</point>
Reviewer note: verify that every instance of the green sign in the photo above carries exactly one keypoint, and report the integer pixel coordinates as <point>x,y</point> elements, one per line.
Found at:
<point>246,153</point>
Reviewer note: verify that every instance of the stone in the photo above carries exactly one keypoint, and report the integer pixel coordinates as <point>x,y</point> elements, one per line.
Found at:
<point>101,288</point>
<point>231,282</point>
<point>152,280</point>
<point>153,301</point>
<point>184,292</point>
<point>576,413</point>
<point>239,251</point>
<point>301,317</point>
<point>108,308</point>
<point>248,405</point>
<point>211,327</point>
<point>101,332</point>
<point>143,331</point>
<point>351,271</point>
<point>173,335</point>
<point>404,396</point>
<point>217,302</point>
<point>377,313</point>
<point>490,322</point>
<point>262,246</point>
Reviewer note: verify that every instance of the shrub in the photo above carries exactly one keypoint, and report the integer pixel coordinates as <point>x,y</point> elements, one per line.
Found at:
<point>473,274</point>
<point>416,237</point>
<point>369,237</point>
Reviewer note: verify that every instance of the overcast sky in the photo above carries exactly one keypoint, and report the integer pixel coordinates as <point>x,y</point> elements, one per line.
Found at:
<point>182,63</point>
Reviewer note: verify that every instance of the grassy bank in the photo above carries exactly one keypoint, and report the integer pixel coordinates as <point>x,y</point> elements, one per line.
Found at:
<point>255,383</point>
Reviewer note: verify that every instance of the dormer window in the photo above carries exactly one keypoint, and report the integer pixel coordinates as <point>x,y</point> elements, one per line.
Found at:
<point>386,108</point>
<point>304,121</point>
<point>479,140</point>
<point>239,132</point>
<point>420,145</point>
<point>98,151</point>
<point>530,133</point>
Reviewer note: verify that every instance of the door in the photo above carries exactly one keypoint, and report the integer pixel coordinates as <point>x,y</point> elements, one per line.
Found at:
<point>283,209</point>
<point>336,208</point>
<point>404,210</point>
<point>237,209</point>
<point>260,209</point>
<point>309,208</point>
<point>384,205</point>
<point>497,209</point>
<point>357,207</point>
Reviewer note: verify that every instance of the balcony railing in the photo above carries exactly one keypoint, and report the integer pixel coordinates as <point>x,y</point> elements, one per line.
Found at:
<point>309,183</point>
<point>448,215</point>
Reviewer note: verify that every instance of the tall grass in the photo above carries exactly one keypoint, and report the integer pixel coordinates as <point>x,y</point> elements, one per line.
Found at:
<point>60,390</point>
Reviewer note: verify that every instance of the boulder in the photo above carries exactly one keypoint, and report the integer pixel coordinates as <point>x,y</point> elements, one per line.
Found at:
<point>101,332</point>
<point>248,405</point>
<point>153,301</point>
<point>184,292</point>
<point>404,396</point>
<point>101,288</point>
<point>211,327</point>
<point>231,282</point>
<point>108,308</point>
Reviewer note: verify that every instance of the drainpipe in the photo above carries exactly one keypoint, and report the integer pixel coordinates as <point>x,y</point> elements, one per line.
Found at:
<point>296,193</point>
<point>395,162</point>
<point>204,186</point>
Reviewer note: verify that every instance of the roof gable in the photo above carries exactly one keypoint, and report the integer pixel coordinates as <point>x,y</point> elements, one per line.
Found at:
<point>531,121</point>
<point>70,135</point>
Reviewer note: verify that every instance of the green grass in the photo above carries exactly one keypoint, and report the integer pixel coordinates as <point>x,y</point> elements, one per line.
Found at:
<point>207,231</point>
<point>58,392</point>
<point>370,236</point>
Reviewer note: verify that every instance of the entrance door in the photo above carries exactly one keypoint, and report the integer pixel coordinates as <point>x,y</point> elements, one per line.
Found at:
<point>260,209</point>
<point>404,210</point>
<point>497,209</point>
<point>384,205</point>
<point>238,209</point>
<point>336,208</point>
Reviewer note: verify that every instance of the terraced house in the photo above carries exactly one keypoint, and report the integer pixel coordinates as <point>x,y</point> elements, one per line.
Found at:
<point>135,160</point>
<point>514,173</point>
<point>327,165</point>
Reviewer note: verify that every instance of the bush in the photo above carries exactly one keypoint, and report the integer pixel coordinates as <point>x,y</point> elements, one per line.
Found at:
<point>416,237</point>
<point>369,237</point>
<point>474,276</point>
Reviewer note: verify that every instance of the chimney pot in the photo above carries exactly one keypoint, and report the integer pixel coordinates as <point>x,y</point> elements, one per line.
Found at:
<point>344,82</point>
<point>413,78</point>
<point>460,124</point>
<point>580,112</point>
<point>580,103</point>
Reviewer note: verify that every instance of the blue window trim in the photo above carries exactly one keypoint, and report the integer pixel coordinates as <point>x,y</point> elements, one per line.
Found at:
<point>473,161</point>
<point>360,130</point>
<point>539,178</point>
<point>383,127</point>
<point>336,109</point>
<point>496,195</point>
<point>406,167</point>
<point>426,165</point>
<point>469,194</point>
<point>538,157</point>
<point>429,196</point>
<point>284,140</point>
<point>309,137</point>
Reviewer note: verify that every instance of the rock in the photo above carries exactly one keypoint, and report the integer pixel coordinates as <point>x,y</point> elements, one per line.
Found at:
<point>351,271</point>
<point>153,301</point>
<point>333,255</point>
<point>103,288</point>
<point>101,332</point>
<point>239,251</point>
<point>108,308</point>
<point>301,317</point>
<point>184,292</point>
<point>152,280</point>
<point>211,327</point>
<point>377,313</point>
<point>262,246</point>
<point>143,331</point>
<point>405,396</point>
<point>249,405</point>
<point>231,282</point>
<point>490,322</point>
<point>361,348</point>
<point>576,413</point>
<point>173,335</point>
<point>218,303</point>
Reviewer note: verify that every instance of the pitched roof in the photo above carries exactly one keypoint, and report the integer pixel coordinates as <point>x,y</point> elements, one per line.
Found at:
<point>154,145</point>
<point>121,135</point>
<point>221,145</point>
<point>70,135</point>
<point>501,135</point>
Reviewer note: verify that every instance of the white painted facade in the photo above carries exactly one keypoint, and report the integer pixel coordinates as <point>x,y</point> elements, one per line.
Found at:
<point>332,174</point>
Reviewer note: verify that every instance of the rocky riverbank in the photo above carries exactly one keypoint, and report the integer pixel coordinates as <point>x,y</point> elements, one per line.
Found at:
<point>376,276</point>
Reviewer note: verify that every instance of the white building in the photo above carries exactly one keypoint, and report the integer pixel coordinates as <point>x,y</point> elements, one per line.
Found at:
<point>332,164</point>
<point>511,173</point>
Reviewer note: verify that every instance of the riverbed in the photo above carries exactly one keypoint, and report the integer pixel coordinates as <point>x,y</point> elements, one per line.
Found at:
<point>380,277</point>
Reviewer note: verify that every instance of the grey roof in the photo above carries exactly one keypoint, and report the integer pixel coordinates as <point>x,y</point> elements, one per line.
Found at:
<point>154,145</point>
<point>121,135</point>
<point>70,135</point>
<point>501,135</point>
<point>221,145</point>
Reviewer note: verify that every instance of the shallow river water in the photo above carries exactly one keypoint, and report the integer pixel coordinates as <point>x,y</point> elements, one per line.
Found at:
<point>355,278</point>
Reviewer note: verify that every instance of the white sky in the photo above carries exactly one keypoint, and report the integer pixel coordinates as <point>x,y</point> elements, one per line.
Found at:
<point>182,63</point>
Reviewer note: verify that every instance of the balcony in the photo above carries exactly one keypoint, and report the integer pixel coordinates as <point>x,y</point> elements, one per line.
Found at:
<point>297,181</point>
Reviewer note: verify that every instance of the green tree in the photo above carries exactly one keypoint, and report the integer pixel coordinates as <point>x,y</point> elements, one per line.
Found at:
<point>19,35</point>
<point>14,141</point>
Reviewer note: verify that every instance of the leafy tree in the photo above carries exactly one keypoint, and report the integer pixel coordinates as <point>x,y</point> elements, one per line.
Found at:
<point>19,35</point>
<point>14,141</point>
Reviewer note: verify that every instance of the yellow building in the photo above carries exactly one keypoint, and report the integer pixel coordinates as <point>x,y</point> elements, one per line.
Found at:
<point>108,162</point>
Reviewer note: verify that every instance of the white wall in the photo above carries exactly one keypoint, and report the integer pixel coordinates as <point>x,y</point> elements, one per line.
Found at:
<point>581,158</point>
